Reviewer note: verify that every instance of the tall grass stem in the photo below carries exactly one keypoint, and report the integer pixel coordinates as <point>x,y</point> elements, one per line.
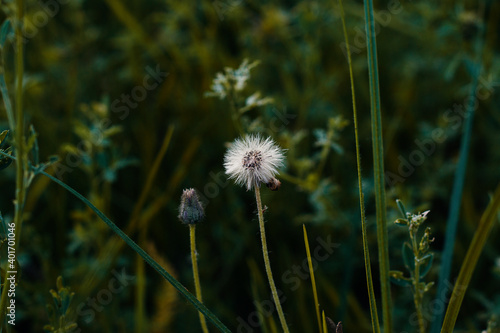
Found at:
<point>313,280</point>
<point>366,251</point>
<point>378,165</point>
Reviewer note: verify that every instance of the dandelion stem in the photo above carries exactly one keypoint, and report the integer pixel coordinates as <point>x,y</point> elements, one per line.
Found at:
<point>197,286</point>
<point>266,259</point>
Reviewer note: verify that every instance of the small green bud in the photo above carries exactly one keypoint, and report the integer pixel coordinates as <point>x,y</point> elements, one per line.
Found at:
<point>401,222</point>
<point>191,210</point>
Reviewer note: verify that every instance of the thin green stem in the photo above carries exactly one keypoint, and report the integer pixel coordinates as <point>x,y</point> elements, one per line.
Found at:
<point>378,165</point>
<point>266,260</point>
<point>469,264</point>
<point>140,293</point>
<point>197,286</point>
<point>19,142</point>
<point>21,162</point>
<point>368,270</point>
<point>417,296</point>
<point>313,281</point>
<point>157,267</point>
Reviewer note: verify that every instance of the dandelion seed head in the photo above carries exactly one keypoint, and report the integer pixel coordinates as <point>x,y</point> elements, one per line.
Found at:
<point>253,160</point>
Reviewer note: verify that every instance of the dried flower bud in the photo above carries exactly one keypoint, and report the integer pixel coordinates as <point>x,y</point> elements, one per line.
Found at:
<point>191,210</point>
<point>274,184</point>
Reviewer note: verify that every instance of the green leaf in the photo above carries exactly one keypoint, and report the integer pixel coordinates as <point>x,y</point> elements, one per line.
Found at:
<point>5,31</point>
<point>408,257</point>
<point>401,208</point>
<point>424,269</point>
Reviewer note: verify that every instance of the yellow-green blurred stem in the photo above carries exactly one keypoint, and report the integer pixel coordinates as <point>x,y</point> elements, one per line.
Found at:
<point>192,235</point>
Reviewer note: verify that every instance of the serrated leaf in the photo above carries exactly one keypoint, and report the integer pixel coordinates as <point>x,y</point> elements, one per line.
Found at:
<point>408,257</point>
<point>424,269</point>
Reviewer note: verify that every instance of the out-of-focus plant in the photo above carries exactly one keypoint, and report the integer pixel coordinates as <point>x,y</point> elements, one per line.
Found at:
<point>230,85</point>
<point>61,314</point>
<point>97,154</point>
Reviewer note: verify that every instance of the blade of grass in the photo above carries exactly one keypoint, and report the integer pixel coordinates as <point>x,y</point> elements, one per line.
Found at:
<point>469,264</point>
<point>458,182</point>
<point>366,251</point>
<point>313,280</point>
<point>378,165</point>
<point>177,285</point>
<point>323,320</point>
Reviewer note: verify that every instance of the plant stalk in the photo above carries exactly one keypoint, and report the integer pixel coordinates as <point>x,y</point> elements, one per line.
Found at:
<point>197,286</point>
<point>19,144</point>
<point>266,259</point>
<point>416,283</point>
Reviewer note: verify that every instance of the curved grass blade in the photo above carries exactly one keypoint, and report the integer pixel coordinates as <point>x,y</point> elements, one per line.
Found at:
<point>469,264</point>
<point>366,251</point>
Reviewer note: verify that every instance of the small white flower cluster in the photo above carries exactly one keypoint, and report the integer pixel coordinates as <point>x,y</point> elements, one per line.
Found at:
<point>231,79</point>
<point>253,160</point>
<point>418,218</point>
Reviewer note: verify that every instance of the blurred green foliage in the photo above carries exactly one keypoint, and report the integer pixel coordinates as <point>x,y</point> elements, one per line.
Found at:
<point>104,80</point>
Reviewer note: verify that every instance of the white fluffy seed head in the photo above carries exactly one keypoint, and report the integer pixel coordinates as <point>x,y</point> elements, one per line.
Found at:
<point>252,160</point>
